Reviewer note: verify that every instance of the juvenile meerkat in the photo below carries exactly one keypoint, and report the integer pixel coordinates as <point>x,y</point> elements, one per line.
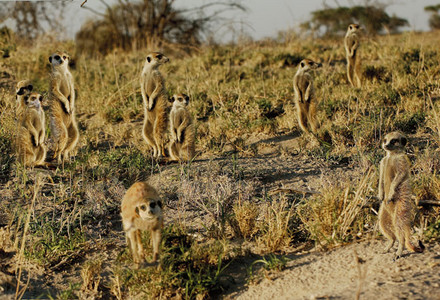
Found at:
<point>155,102</point>
<point>351,43</point>
<point>182,129</point>
<point>31,133</point>
<point>23,88</point>
<point>305,95</point>
<point>141,209</point>
<point>62,106</point>
<point>396,212</point>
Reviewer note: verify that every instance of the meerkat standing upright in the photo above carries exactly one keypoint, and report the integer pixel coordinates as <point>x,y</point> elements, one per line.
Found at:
<point>62,106</point>
<point>305,95</point>
<point>351,43</point>
<point>182,130</point>
<point>141,209</point>
<point>155,102</point>
<point>23,88</point>
<point>397,209</point>
<point>31,132</point>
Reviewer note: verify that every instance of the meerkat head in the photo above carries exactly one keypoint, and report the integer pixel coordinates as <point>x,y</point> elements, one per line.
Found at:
<point>308,64</point>
<point>353,27</point>
<point>156,59</point>
<point>59,59</point>
<point>149,208</point>
<point>23,87</point>
<point>179,100</point>
<point>394,141</point>
<point>33,100</point>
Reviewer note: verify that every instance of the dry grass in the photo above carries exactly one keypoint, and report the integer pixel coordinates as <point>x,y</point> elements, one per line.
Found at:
<point>237,93</point>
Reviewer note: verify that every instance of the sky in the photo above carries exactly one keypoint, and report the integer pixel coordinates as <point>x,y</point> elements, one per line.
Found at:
<point>264,18</point>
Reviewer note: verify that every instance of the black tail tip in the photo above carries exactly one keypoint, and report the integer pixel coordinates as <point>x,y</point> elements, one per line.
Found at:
<point>421,246</point>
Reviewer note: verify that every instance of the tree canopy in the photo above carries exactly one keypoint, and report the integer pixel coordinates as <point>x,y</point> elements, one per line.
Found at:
<point>334,21</point>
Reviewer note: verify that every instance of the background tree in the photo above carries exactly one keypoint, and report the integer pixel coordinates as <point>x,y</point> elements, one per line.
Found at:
<point>32,19</point>
<point>434,19</point>
<point>134,24</point>
<point>334,21</point>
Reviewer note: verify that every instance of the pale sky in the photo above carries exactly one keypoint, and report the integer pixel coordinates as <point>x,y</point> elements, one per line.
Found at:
<point>265,18</point>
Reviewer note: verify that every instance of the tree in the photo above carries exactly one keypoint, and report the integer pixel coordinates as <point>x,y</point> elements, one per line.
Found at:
<point>334,21</point>
<point>31,19</point>
<point>434,19</point>
<point>135,24</point>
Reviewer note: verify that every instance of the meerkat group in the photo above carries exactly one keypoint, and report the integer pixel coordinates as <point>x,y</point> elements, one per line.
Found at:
<point>141,206</point>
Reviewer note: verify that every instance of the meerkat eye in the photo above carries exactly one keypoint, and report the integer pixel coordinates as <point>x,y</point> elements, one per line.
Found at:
<point>143,207</point>
<point>302,65</point>
<point>64,57</point>
<point>153,205</point>
<point>30,87</point>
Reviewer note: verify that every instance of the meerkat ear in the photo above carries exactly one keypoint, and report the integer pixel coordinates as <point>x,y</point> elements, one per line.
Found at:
<point>403,141</point>
<point>20,92</point>
<point>30,87</point>
<point>26,98</point>
<point>171,99</point>
<point>186,97</point>
<point>50,59</point>
<point>148,59</point>
<point>41,98</point>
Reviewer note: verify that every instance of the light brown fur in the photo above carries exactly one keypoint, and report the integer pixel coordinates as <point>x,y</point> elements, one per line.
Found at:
<point>23,88</point>
<point>155,103</point>
<point>62,106</point>
<point>397,209</point>
<point>31,149</point>
<point>182,130</point>
<point>305,95</point>
<point>351,43</point>
<point>141,209</point>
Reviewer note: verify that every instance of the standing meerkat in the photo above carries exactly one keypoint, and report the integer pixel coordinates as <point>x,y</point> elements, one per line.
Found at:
<point>62,106</point>
<point>305,95</point>
<point>155,102</point>
<point>397,209</point>
<point>31,133</point>
<point>182,129</point>
<point>351,43</point>
<point>23,88</point>
<point>141,209</point>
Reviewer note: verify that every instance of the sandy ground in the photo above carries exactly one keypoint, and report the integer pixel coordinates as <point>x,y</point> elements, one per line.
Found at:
<point>335,275</point>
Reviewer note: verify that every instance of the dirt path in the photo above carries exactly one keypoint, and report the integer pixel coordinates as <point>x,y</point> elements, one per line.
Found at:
<point>334,275</point>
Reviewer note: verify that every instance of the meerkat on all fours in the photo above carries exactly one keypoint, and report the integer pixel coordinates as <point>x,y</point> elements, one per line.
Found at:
<point>30,145</point>
<point>397,209</point>
<point>305,95</point>
<point>181,129</point>
<point>351,42</point>
<point>62,106</point>
<point>23,88</point>
<point>155,103</point>
<point>141,209</point>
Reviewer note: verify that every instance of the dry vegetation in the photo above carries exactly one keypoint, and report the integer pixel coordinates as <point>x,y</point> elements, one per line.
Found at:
<point>67,220</point>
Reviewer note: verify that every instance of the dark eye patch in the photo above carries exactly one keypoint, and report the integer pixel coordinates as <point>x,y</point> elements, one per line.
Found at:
<point>64,57</point>
<point>153,205</point>
<point>57,57</point>
<point>394,141</point>
<point>159,203</point>
<point>159,56</point>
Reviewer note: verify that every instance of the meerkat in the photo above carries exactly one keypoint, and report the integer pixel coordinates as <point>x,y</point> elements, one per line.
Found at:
<point>305,95</point>
<point>351,43</point>
<point>396,212</point>
<point>141,209</point>
<point>155,103</point>
<point>23,88</point>
<point>31,133</point>
<point>182,129</point>
<point>62,106</point>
